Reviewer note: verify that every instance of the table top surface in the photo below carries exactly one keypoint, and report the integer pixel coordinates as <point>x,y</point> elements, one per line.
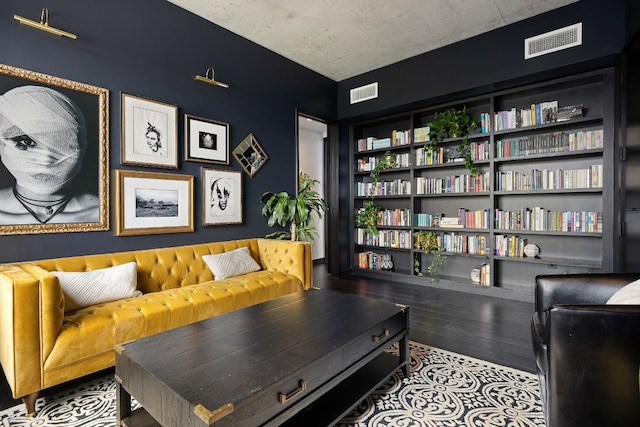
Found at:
<point>239,353</point>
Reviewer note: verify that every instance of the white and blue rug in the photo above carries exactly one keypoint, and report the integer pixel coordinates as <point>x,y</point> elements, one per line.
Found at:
<point>445,390</point>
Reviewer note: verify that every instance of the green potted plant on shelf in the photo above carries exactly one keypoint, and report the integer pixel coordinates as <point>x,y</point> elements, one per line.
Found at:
<point>454,123</point>
<point>367,215</point>
<point>294,212</point>
<point>427,241</point>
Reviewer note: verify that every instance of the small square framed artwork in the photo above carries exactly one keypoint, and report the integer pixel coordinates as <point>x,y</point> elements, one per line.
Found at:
<point>206,140</point>
<point>221,197</point>
<point>153,203</point>
<point>149,132</point>
<point>250,154</point>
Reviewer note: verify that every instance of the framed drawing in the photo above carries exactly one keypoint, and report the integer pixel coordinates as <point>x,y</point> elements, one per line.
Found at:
<point>149,132</point>
<point>221,197</point>
<point>153,203</point>
<point>206,140</point>
<point>250,155</point>
<point>54,151</point>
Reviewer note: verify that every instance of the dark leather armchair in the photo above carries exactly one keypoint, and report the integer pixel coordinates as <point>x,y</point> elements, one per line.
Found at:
<point>587,353</point>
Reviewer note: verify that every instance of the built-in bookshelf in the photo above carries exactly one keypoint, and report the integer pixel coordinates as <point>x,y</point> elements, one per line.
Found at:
<point>543,200</point>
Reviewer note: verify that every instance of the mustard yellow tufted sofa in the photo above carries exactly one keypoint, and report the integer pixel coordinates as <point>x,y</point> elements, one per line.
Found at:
<point>42,346</point>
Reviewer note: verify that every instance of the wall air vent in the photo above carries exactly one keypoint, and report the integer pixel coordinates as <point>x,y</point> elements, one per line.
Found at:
<point>553,41</point>
<point>364,93</point>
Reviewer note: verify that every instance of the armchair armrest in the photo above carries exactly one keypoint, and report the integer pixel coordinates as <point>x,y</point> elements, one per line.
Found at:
<point>578,288</point>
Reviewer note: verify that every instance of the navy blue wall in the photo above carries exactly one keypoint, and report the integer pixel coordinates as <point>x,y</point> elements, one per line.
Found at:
<point>151,48</point>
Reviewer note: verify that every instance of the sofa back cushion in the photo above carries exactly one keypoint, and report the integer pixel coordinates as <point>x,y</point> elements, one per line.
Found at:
<point>158,269</point>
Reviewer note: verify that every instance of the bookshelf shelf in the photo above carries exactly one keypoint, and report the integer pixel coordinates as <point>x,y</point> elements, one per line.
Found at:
<point>564,169</point>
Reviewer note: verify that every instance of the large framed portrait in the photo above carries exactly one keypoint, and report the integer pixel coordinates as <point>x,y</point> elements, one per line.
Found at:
<point>149,132</point>
<point>153,203</point>
<point>221,197</point>
<point>54,151</point>
<point>206,140</point>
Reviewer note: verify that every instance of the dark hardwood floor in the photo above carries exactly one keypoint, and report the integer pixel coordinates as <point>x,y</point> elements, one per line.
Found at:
<point>484,327</point>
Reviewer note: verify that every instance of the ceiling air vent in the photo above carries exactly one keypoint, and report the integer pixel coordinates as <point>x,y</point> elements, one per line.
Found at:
<point>363,93</point>
<point>553,41</point>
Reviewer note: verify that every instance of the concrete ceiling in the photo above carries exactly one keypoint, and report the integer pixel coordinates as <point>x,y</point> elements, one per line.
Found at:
<point>343,38</point>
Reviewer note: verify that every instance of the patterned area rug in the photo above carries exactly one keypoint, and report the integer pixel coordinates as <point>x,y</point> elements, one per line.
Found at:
<point>445,390</point>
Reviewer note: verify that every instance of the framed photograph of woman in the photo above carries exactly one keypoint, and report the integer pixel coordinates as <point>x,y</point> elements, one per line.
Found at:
<point>54,151</point>
<point>221,197</point>
<point>149,132</point>
<point>206,140</point>
<point>153,203</point>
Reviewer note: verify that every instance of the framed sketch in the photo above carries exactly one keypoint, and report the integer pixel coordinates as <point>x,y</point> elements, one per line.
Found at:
<point>149,132</point>
<point>250,155</point>
<point>153,203</point>
<point>221,197</point>
<point>206,140</point>
<point>54,152</point>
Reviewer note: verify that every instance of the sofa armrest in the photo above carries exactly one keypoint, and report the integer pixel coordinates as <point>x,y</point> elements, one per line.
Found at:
<point>574,289</point>
<point>288,257</point>
<point>594,358</point>
<point>20,353</point>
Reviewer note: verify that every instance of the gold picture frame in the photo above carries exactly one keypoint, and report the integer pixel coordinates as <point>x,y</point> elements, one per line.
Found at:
<point>149,132</point>
<point>206,140</point>
<point>78,204</point>
<point>221,197</point>
<point>250,154</point>
<point>153,203</point>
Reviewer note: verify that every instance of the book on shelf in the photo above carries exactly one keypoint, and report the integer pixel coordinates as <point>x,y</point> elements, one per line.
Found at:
<point>421,134</point>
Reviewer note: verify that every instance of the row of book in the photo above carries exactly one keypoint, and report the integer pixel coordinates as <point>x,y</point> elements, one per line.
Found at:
<point>510,246</point>
<point>384,238</point>
<point>403,160</point>
<point>395,217</point>
<point>545,179</point>
<point>481,276</point>
<point>553,142</point>
<point>463,243</point>
<point>441,155</point>
<point>370,260</point>
<point>536,114</point>
<point>479,219</point>
<point>398,138</point>
<point>396,187</point>
<point>541,219</point>
<point>453,184</point>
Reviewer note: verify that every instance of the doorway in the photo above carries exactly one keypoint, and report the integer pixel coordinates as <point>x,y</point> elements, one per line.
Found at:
<point>312,149</point>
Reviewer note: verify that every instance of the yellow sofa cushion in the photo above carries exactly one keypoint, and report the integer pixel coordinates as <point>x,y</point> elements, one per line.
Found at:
<point>94,330</point>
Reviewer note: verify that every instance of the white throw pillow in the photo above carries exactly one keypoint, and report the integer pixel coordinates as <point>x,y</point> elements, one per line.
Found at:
<point>82,289</point>
<point>230,264</point>
<point>630,294</point>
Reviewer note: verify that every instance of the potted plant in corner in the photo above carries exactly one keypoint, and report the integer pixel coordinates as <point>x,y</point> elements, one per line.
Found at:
<point>427,241</point>
<point>454,123</point>
<point>294,212</point>
<point>367,215</point>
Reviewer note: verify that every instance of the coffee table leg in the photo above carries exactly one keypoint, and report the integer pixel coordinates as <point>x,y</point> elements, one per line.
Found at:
<point>123,404</point>
<point>404,355</point>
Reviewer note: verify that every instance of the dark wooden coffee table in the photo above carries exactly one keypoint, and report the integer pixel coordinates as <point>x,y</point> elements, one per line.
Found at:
<point>303,359</point>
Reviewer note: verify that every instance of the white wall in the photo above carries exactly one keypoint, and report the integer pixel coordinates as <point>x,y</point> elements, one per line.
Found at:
<point>311,161</point>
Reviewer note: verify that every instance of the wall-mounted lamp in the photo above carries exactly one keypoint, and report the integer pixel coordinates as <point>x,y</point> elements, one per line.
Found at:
<point>210,80</point>
<point>44,24</point>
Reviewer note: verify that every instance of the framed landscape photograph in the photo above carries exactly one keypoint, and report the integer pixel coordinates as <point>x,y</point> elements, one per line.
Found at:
<point>206,140</point>
<point>153,203</point>
<point>149,132</point>
<point>221,197</point>
<point>54,153</point>
<point>250,155</point>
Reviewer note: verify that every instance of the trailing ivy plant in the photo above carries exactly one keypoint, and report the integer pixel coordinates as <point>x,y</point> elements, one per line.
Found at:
<point>367,216</point>
<point>294,212</point>
<point>454,123</point>
<point>427,241</point>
